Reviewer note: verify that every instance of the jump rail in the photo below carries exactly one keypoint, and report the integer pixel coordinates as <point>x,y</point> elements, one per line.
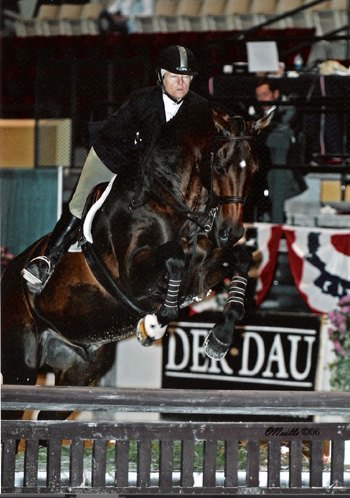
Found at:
<point>170,457</point>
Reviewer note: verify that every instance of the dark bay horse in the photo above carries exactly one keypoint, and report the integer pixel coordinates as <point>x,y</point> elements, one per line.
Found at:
<point>165,234</point>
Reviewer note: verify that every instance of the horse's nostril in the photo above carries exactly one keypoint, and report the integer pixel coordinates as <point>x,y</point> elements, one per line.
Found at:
<point>224,235</point>
<point>229,235</point>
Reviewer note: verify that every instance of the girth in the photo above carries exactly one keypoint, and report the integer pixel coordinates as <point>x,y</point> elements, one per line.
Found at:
<point>101,273</point>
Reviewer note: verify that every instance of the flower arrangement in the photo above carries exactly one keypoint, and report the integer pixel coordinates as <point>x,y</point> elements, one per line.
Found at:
<point>339,334</point>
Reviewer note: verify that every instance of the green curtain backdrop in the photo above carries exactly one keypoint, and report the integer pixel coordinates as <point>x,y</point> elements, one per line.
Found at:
<point>30,202</point>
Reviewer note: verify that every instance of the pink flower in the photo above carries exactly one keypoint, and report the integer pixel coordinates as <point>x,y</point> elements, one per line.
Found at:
<point>339,349</point>
<point>339,334</point>
<point>339,329</point>
<point>344,304</point>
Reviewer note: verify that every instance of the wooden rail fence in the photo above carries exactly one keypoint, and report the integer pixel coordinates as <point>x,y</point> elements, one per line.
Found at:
<point>169,457</point>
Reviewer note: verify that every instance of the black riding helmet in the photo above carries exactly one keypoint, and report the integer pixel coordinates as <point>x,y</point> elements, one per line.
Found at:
<point>178,60</point>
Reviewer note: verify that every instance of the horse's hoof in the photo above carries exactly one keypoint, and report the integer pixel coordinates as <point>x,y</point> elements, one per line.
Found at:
<point>214,348</point>
<point>149,330</point>
<point>141,334</point>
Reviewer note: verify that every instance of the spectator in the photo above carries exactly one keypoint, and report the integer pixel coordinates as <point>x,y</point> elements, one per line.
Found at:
<point>281,144</point>
<point>119,15</point>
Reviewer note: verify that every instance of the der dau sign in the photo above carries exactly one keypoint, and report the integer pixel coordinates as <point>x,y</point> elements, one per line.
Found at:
<point>270,351</point>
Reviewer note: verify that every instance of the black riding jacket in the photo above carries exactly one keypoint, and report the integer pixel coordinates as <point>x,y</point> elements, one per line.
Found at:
<point>125,135</point>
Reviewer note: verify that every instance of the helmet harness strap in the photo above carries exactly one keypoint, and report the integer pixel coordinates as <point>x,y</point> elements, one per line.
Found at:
<point>178,102</point>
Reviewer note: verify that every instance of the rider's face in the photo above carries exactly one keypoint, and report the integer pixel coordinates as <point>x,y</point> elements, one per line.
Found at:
<point>176,85</point>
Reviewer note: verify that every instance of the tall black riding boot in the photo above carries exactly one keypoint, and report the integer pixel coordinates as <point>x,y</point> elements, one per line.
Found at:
<point>38,271</point>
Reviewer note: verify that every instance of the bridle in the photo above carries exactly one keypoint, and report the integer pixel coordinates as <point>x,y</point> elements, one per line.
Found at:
<point>218,200</point>
<point>204,220</point>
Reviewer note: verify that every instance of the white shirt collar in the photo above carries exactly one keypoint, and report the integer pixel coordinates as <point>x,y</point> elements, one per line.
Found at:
<point>170,107</point>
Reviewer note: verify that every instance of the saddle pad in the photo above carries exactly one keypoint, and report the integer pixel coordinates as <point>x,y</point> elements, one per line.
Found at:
<point>75,247</point>
<point>93,210</point>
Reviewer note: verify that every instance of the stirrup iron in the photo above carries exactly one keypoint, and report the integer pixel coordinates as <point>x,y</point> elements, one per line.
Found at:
<point>33,279</point>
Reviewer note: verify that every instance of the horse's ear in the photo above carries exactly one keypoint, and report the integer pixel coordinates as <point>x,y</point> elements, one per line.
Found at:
<point>220,119</point>
<point>220,114</point>
<point>263,122</point>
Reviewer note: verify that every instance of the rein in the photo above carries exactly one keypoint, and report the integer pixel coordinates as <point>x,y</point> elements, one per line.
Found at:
<point>204,221</point>
<point>101,273</point>
<point>193,216</point>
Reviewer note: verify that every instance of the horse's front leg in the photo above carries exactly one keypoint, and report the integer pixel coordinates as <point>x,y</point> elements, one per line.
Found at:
<point>153,327</point>
<point>220,337</point>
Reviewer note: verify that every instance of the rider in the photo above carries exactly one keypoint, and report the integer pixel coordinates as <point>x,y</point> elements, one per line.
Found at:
<point>116,142</point>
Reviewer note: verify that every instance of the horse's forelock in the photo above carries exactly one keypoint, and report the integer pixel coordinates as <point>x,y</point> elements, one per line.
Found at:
<point>240,125</point>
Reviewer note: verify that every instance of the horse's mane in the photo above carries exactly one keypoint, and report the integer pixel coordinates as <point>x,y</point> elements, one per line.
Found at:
<point>181,144</point>
<point>181,139</point>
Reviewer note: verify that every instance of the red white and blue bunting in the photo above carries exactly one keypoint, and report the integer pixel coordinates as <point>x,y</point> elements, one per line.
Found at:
<point>319,260</point>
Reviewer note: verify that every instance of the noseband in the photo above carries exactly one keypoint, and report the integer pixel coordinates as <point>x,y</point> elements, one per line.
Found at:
<point>217,200</point>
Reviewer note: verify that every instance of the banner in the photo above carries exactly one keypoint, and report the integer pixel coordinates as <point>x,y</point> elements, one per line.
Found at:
<point>275,351</point>
<point>319,260</point>
<point>267,242</point>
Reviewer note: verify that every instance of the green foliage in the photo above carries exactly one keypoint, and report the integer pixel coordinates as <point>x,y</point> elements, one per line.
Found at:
<point>339,334</point>
<point>340,374</point>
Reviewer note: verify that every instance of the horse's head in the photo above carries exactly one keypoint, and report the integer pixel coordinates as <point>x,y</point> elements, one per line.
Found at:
<point>233,164</point>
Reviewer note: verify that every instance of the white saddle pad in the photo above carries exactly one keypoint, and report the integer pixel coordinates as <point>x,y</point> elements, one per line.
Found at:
<point>90,216</point>
<point>93,210</point>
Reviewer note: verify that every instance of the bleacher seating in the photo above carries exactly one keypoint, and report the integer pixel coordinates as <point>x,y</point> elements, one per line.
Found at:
<point>281,7</point>
<point>199,15</point>
<point>258,11</point>
<point>186,17</point>
<point>86,23</point>
<point>226,20</point>
<point>178,15</point>
<point>327,21</point>
<point>62,25</point>
<point>151,24</point>
<point>53,19</point>
<point>33,26</point>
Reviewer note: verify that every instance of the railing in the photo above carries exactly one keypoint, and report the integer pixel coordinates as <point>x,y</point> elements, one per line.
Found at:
<point>171,456</point>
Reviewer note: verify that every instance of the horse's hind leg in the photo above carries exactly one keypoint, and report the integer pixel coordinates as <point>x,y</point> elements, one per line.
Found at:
<point>19,343</point>
<point>82,372</point>
<point>18,360</point>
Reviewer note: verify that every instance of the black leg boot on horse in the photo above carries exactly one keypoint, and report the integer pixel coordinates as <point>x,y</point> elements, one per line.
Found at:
<point>39,270</point>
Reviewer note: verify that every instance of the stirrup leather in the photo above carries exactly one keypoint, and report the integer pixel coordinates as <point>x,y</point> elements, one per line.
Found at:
<point>30,277</point>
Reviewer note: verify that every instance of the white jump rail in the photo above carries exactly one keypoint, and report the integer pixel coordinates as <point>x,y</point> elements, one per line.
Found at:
<point>293,403</point>
<point>321,444</point>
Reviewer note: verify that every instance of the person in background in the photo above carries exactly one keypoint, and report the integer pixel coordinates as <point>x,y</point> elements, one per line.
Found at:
<point>119,15</point>
<point>119,142</point>
<point>280,144</point>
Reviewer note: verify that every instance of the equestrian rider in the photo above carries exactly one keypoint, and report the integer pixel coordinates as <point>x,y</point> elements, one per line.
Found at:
<point>116,143</point>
